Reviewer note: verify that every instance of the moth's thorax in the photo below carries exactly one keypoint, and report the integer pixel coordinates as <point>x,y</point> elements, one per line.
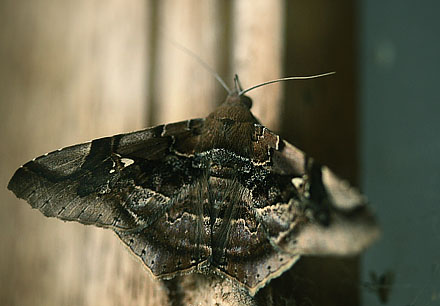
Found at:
<point>230,126</point>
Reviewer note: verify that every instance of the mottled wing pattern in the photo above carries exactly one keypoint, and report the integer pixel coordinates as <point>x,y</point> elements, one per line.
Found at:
<point>239,190</point>
<point>246,253</point>
<point>179,238</point>
<point>67,185</point>
<point>94,182</point>
<point>324,216</point>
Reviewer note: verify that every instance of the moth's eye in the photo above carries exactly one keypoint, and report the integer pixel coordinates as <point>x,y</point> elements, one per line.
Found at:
<point>246,101</point>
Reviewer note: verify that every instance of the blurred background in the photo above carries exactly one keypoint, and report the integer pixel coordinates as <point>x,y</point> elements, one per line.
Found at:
<point>71,71</point>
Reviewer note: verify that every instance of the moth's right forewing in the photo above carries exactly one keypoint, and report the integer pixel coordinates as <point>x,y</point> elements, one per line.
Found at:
<point>289,160</point>
<point>352,226</point>
<point>329,217</point>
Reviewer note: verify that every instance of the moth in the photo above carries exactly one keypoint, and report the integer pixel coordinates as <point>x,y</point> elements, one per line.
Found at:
<point>381,284</point>
<point>222,195</point>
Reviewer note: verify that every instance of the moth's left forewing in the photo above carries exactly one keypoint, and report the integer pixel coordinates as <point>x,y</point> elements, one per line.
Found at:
<point>324,215</point>
<point>91,182</point>
<point>57,185</point>
<point>155,142</point>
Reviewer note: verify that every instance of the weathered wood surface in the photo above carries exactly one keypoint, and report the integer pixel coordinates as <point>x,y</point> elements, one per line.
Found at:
<point>72,71</point>
<point>321,118</point>
<point>258,54</point>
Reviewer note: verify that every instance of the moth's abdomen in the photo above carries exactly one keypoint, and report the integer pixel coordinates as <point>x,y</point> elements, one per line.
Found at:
<point>240,233</point>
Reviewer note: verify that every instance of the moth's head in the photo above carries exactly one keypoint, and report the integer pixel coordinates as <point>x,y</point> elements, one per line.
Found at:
<point>236,99</point>
<point>236,107</point>
<point>237,96</point>
<point>246,101</point>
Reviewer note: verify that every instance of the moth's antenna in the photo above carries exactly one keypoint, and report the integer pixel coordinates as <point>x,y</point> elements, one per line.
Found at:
<point>202,63</point>
<point>237,83</point>
<point>242,92</point>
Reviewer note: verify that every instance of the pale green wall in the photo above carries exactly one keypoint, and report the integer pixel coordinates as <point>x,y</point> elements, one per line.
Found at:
<point>400,145</point>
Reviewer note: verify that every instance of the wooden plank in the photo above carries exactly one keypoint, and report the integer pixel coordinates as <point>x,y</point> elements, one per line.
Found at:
<point>70,71</point>
<point>184,90</point>
<point>320,117</point>
<point>258,53</point>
